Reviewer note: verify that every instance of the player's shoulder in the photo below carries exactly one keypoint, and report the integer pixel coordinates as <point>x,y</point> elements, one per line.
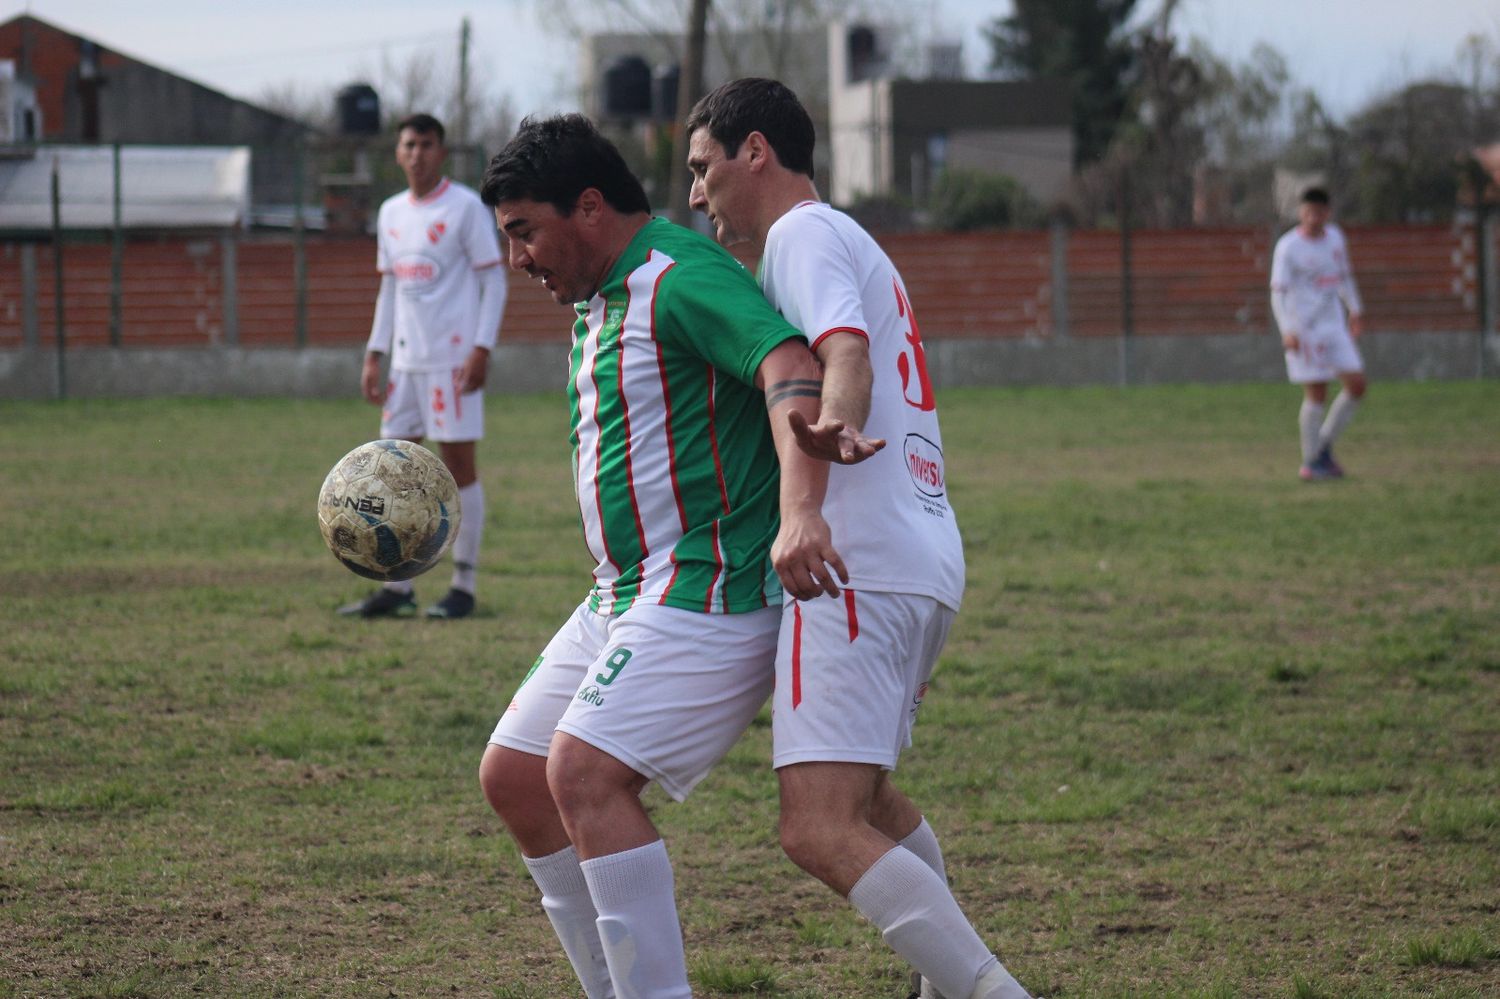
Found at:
<point>394,203</point>
<point>812,219</point>
<point>463,193</point>
<point>691,251</point>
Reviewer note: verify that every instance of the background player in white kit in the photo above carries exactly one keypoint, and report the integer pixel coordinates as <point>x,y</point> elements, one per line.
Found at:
<point>851,672</point>
<point>442,291</point>
<point>1312,284</point>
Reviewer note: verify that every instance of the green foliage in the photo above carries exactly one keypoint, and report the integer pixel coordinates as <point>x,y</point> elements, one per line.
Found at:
<point>968,199</point>
<point>1082,42</point>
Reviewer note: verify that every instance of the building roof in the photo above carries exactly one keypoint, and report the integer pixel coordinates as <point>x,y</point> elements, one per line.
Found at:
<point>160,187</point>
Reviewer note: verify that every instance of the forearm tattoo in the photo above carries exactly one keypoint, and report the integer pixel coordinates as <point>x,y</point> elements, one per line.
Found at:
<point>792,388</point>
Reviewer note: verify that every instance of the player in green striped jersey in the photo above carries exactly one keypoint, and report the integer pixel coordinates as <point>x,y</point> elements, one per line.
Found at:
<point>693,503</point>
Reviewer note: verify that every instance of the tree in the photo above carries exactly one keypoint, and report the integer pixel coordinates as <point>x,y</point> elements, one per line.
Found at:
<point>1081,41</point>
<point>966,199</point>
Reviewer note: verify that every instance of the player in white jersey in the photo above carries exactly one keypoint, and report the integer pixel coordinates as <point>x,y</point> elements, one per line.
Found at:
<point>851,672</point>
<point>442,291</point>
<point>666,662</point>
<point>1312,286</point>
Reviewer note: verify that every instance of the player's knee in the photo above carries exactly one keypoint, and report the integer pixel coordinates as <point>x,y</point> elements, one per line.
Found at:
<point>508,788</point>
<point>809,839</point>
<point>577,776</point>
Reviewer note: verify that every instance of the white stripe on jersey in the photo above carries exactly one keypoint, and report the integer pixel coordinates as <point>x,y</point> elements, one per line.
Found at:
<point>589,443</point>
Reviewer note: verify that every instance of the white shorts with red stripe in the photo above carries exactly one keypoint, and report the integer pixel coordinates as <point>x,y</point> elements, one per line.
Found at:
<point>428,405</point>
<point>1322,356</point>
<point>851,672</point>
<point>665,691</point>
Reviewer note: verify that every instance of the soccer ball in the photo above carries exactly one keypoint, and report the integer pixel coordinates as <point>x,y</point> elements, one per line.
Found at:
<point>389,509</point>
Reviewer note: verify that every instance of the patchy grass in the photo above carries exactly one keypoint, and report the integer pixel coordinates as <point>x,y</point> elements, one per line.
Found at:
<point>1201,730</point>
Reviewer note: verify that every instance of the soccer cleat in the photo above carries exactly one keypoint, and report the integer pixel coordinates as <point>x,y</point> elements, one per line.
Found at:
<point>921,988</point>
<point>1313,473</point>
<point>382,603</point>
<point>455,603</point>
<point>1325,461</point>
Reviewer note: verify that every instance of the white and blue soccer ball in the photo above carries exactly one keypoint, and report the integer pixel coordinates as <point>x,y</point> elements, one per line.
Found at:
<point>389,510</point>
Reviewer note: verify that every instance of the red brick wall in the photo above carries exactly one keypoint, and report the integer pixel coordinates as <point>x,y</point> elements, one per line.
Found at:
<point>1413,278</point>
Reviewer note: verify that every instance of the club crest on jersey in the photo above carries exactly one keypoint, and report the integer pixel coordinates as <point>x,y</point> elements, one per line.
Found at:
<point>435,231</point>
<point>609,333</point>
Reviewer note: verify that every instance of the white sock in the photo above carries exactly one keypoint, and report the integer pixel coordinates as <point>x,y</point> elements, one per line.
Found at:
<point>996,983</point>
<point>470,527</point>
<point>636,898</point>
<point>917,916</point>
<point>1310,421</point>
<point>1339,415</point>
<point>565,898</point>
<point>924,843</point>
<point>398,586</point>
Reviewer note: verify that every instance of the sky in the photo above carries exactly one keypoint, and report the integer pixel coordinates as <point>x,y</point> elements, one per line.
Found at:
<point>1346,50</point>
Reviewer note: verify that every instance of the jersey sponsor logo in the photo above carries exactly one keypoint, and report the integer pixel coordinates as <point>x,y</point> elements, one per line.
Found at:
<point>590,695</point>
<point>924,463</point>
<point>415,270</point>
<point>435,231</point>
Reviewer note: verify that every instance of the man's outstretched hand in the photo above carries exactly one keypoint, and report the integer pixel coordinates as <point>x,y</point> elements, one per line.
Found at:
<point>831,441</point>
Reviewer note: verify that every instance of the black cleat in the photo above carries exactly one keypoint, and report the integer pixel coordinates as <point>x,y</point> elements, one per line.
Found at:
<point>455,603</point>
<point>382,603</point>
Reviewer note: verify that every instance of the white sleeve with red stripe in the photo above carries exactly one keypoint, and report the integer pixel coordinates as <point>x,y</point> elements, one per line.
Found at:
<point>810,276</point>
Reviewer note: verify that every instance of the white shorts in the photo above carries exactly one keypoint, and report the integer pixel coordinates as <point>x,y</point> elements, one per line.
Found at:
<point>1322,356</point>
<point>851,672</point>
<point>428,404</point>
<point>663,690</point>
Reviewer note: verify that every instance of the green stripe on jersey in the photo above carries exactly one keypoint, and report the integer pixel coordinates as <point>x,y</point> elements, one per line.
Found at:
<point>675,467</point>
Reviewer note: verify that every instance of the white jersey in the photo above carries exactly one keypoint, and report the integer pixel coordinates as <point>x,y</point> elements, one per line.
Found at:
<point>890,515</point>
<point>1309,278</point>
<point>431,248</point>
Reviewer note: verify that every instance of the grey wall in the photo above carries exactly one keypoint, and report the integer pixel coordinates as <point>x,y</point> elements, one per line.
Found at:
<point>334,372</point>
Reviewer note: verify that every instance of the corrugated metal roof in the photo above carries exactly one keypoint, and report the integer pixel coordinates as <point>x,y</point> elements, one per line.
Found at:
<point>161,187</point>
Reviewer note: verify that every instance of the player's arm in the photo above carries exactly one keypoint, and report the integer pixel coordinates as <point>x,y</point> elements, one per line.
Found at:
<point>1281,300</point>
<point>382,332</point>
<point>817,289</point>
<point>492,292</point>
<point>803,553</point>
<point>1349,293</point>
<point>847,380</point>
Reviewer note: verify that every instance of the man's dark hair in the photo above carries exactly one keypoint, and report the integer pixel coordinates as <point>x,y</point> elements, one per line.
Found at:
<point>422,124</point>
<point>1316,196</point>
<point>753,104</point>
<point>554,160</point>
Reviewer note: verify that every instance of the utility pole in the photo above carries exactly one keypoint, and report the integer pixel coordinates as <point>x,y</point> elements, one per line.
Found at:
<point>462,131</point>
<point>689,89</point>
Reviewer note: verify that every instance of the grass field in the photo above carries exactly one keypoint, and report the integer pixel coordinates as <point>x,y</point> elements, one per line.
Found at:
<point>1201,731</point>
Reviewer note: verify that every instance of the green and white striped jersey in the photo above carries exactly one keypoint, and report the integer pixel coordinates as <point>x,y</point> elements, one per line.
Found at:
<point>674,467</point>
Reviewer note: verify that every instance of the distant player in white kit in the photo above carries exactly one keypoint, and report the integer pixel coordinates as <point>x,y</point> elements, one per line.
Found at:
<point>1312,284</point>
<point>442,291</point>
<point>851,672</point>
